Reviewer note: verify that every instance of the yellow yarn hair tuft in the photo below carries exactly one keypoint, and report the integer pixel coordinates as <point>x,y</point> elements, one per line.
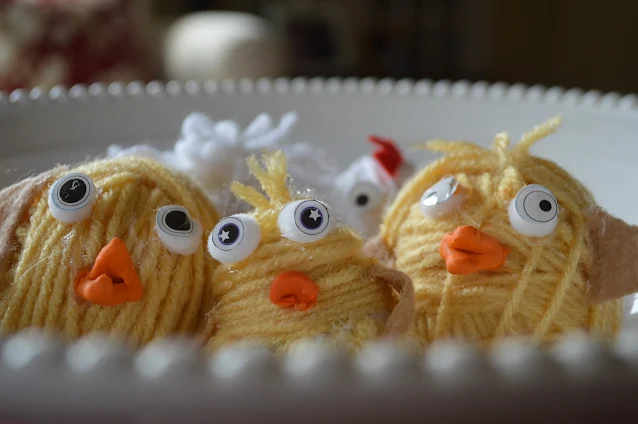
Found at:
<point>538,133</point>
<point>352,304</point>
<point>272,178</point>
<point>542,293</point>
<point>38,289</point>
<point>448,146</point>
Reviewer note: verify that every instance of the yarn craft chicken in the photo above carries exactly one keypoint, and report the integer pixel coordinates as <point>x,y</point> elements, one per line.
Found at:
<point>114,246</point>
<point>499,243</point>
<point>290,271</point>
<point>362,192</point>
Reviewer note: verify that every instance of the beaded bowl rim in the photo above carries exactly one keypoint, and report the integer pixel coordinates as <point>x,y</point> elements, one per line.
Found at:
<point>41,377</point>
<point>479,90</point>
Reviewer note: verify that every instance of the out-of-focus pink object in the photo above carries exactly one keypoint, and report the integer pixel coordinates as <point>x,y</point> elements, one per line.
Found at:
<point>49,42</point>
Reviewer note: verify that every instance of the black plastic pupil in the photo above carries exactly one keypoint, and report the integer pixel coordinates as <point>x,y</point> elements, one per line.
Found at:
<point>362,200</point>
<point>178,221</point>
<point>311,218</point>
<point>73,191</point>
<point>545,205</point>
<point>229,234</point>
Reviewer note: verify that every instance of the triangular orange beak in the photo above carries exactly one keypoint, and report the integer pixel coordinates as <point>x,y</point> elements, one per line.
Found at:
<point>112,280</point>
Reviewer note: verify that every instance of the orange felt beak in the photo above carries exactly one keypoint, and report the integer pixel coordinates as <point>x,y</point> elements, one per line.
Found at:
<point>293,289</point>
<point>112,280</point>
<point>468,250</point>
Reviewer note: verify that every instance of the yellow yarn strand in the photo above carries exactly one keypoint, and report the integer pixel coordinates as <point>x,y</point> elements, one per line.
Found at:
<point>272,177</point>
<point>563,285</point>
<point>538,133</point>
<point>505,321</point>
<point>250,195</point>
<point>448,146</point>
<point>501,144</point>
<point>442,323</point>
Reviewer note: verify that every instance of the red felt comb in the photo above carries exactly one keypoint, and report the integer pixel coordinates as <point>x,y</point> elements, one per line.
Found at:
<point>388,155</point>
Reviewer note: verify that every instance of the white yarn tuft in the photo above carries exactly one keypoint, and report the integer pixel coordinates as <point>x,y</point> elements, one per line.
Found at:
<point>214,154</point>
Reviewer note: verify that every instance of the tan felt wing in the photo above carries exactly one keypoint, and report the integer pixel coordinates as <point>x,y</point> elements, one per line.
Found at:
<point>614,270</point>
<point>403,313</point>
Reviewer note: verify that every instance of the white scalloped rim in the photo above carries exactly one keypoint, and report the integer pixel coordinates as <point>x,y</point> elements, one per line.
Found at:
<point>42,378</point>
<point>511,359</point>
<point>336,86</point>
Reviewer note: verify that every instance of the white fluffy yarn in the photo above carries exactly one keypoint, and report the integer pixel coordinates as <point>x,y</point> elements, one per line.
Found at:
<point>214,154</point>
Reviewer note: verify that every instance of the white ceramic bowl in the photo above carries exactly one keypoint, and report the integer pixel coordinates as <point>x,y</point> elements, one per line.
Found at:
<point>42,380</point>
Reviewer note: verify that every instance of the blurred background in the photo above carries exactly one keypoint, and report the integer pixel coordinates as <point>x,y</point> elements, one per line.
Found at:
<point>571,43</point>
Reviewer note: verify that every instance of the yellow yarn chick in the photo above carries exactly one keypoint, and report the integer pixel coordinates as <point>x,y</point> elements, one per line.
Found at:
<point>290,271</point>
<point>499,243</point>
<point>115,246</point>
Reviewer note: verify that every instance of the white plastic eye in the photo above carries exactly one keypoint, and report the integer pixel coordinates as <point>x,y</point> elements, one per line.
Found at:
<point>179,233</point>
<point>534,211</point>
<point>365,196</point>
<point>442,198</point>
<point>71,198</point>
<point>234,238</point>
<point>305,221</point>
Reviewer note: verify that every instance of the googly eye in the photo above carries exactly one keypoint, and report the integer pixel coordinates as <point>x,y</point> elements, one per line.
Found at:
<point>71,198</point>
<point>179,233</point>
<point>365,196</point>
<point>442,198</point>
<point>305,221</point>
<point>234,238</point>
<point>534,211</point>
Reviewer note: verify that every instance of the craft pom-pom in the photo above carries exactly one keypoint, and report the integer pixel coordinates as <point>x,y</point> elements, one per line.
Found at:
<point>442,198</point>
<point>305,221</point>
<point>178,232</point>
<point>534,211</point>
<point>234,238</point>
<point>71,198</point>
